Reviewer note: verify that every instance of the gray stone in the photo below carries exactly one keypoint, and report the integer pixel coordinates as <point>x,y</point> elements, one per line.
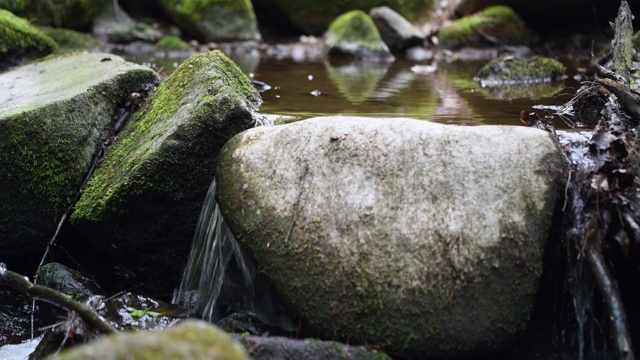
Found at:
<point>51,116</point>
<point>396,31</point>
<point>218,20</point>
<point>424,236</point>
<point>190,339</point>
<point>142,204</point>
<point>116,26</point>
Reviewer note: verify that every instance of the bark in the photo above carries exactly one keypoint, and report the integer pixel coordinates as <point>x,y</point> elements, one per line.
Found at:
<point>22,284</point>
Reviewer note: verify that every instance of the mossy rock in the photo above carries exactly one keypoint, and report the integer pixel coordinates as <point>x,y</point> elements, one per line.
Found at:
<point>496,25</point>
<point>71,39</point>
<point>142,204</point>
<point>58,13</point>
<point>172,44</point>
<point>313,17</point>
<point>190,339</point>
<point>214,20</point>
<point>336,219</point>
<point>510,70</point>
<point>354,34</point>
<point>20,41</point>
<point>52,113</point>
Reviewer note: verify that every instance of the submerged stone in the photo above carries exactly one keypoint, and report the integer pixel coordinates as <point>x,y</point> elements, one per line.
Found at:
<point>354,34</point>
<point>496,25</point>
<point>20,41</point>
<point>398,33</point>
<point>142,204</point>
<point>214,20</point>
<point>425,237</point>
<point>190,339</point>
<point>510,70</point>
<point>52,113</point>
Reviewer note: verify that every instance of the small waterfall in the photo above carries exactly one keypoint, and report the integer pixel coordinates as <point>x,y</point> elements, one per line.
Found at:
<point>219,279</point>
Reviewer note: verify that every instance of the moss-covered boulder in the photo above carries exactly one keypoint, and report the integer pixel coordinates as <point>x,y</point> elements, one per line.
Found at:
<point>398,33</point>
<point>190,339</point>
<point>57,13</point>
<point>71,39</point>
<point>496,25</point>
<point>142,204</point>
<point>51,116</point>
<point>510,70</point>
<point>313,17</point>
<point>214,20</point>
<point>422,236</point>
<point>354,34</point>
<point>169,45</point>
<point>20,41</point>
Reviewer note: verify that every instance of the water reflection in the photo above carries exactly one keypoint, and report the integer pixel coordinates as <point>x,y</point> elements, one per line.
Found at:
<point>447,95</point>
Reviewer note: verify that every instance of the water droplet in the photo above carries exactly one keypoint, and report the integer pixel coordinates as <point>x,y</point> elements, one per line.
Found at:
<point>316,93</point>
<point>310,77</point>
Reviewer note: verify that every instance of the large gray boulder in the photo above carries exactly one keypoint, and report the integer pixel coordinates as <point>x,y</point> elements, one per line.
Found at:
<point>398,33</point>
<point>217,20</point>
<point>51,116</point>
<point>423,236</point>
<point>142,204</point>
<point>190,339</point>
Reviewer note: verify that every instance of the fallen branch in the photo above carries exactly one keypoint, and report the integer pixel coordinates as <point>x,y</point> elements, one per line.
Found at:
<point>22,284</point>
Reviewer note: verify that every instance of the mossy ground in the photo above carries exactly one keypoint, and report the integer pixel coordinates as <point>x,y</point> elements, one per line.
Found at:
<point>66,38</point>
<point>496,23</point>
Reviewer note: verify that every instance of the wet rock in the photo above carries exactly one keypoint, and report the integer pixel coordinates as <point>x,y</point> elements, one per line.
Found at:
<point>116,26</point>
<point>51,115</point>
<point>173,46</point>
<point>280,348</point>
<point>355,35</point>
<point>497,25</point>
<point>142,204</point>
<point>218,20</point>
<point>511,70</point>
<point>71,39</point>
<point>398,33</point>
<point>423,236</point>
<point>68,13</point>
<point>190,339</point>
<point>313,17</point>
<point>20,41</point>
<point>68,281</point>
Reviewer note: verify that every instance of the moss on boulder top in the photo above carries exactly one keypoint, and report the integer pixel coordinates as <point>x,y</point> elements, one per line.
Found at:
<point>142,204</point>
<point>510,70</point>
<point>20,41</point>
<point>214,20</point>
<point>58,13</point>
<point>354,34</point>
<point>190,339</point>
<point>172,43</point>
<point>313,17</point>
<point>492,26</point>
<point>51,115</point>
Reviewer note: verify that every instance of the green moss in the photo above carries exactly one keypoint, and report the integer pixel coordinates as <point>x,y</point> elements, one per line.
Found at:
<point>58,13</point>
<point>511,70</point>
<point>354,33</point>
<point>67,38</point>
<point>497,22</point>
<point>196,8</point>
<point>173,43</point>
<point>178,110</point>
<point>17,35</point>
